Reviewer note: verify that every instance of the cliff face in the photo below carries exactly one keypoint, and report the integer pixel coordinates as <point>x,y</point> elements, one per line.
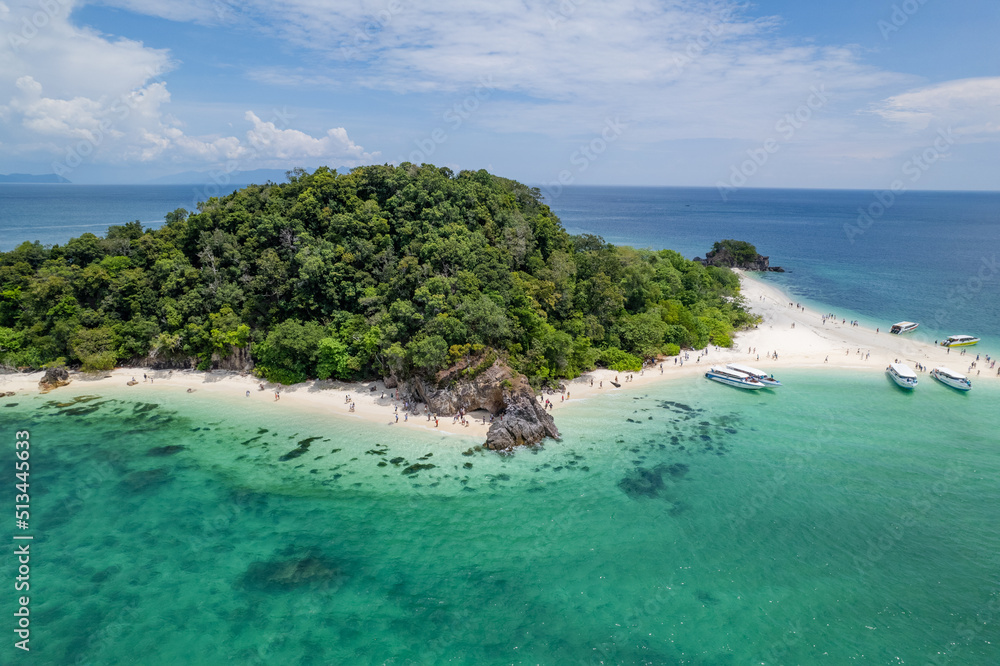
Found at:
<point>521,421</point>
<point>524,421</point>
<point>449,392</point>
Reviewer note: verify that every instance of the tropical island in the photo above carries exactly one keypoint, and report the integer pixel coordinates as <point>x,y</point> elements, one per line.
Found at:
<point>462,291</point>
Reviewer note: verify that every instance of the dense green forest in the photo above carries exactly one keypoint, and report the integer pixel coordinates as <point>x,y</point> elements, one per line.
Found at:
<point>385,270</point>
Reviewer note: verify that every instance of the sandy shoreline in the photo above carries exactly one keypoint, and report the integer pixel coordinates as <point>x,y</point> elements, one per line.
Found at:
<point>799,336</point>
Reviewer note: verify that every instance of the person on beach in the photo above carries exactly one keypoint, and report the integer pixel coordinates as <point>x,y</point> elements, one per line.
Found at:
<point>276,396</point>
<point>248,394</point>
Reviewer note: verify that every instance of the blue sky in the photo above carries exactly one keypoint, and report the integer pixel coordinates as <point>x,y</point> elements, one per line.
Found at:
<point>776,93</point>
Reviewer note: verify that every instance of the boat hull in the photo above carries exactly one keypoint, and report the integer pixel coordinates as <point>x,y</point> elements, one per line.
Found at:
<point>952,383</point>
<point>738,383</point>
<point>901,382</point>
<point>960,344</point>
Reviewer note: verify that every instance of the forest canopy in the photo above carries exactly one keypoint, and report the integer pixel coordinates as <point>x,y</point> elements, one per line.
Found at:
<point>383,270</point>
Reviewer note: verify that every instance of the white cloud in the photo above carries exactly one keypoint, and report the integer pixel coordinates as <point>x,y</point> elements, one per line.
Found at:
<point>284,144</point>
<point>970,106</point>
<point>73,94</point>
<point>674,68</point>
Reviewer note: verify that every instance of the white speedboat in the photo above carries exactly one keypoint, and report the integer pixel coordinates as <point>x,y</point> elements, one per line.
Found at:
<point>903,327</point>
<point>902,375</point>
<point>949,377</point>
<point>759,375</point>
<point>959,341</point>
<point>733,378</point>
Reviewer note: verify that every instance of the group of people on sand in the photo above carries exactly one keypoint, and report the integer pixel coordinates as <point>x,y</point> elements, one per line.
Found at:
<point>990,364</point>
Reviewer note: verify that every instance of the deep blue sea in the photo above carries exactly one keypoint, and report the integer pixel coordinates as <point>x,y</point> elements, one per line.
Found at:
<point>837,520</point>
<point>52,214</point>
<point>929,257</point>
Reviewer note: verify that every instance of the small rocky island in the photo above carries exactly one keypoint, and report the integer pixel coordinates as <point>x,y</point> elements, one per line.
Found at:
<point>738,254</point>
<point>498,389</point>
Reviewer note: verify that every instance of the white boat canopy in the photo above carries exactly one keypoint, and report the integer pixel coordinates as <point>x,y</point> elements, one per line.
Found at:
<point>948,372</point>
<point>902,370</point>
<point>746,369</point>
<point>736,374</point>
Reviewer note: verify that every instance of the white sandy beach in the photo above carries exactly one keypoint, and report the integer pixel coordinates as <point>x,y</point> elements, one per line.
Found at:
<point>799,336</point>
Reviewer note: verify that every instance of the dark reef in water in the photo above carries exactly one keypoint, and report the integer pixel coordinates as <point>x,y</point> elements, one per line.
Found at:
<point>413,469</point>
<point>300,450</point>
<point>642,482</point>
<point>309,570</point>
<point>146,479</point>
<point>162,451</point>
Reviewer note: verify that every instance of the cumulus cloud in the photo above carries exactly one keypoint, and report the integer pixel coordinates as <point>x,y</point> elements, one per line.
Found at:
<point>283,144</point>
<point>74,94</point>
<point>970,106</point>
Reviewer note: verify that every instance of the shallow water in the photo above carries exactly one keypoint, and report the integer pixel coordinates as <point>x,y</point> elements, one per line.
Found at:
<point>835,519</point>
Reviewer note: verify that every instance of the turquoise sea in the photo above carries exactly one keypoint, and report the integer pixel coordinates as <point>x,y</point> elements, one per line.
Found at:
<point>835,520</point>
<point>838,521</point>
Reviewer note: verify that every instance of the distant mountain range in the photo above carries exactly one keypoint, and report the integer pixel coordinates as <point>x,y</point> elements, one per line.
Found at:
<point>258,176</point>
<point>30,178</point>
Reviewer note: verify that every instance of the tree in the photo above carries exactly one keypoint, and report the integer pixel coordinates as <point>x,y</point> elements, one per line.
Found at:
<point>95,347</point>
<point>333,360</point>
<point>288,354</point>
<point>428,354</point>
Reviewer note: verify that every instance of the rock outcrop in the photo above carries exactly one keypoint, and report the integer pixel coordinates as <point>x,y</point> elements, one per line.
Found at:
<point>519,419</point>
<point>53,378</point>
<point>453,390</point>
<point>723,257</point>
<point>524,421</point>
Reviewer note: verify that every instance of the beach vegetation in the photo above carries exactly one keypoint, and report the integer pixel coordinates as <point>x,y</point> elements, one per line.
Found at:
<point>742,252</point>
<point>381,271</point>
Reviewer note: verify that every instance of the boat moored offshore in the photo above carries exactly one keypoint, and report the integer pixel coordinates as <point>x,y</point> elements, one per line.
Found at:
<point>759,375</point>
<point>733,378</point>
<point>903,327</point>
<point>949,377</point>
<point>902,375</point>
<point>959,341</point>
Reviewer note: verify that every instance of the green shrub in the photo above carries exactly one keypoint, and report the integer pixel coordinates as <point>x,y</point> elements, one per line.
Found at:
<point>671,349</point>
<point>619,360</point>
